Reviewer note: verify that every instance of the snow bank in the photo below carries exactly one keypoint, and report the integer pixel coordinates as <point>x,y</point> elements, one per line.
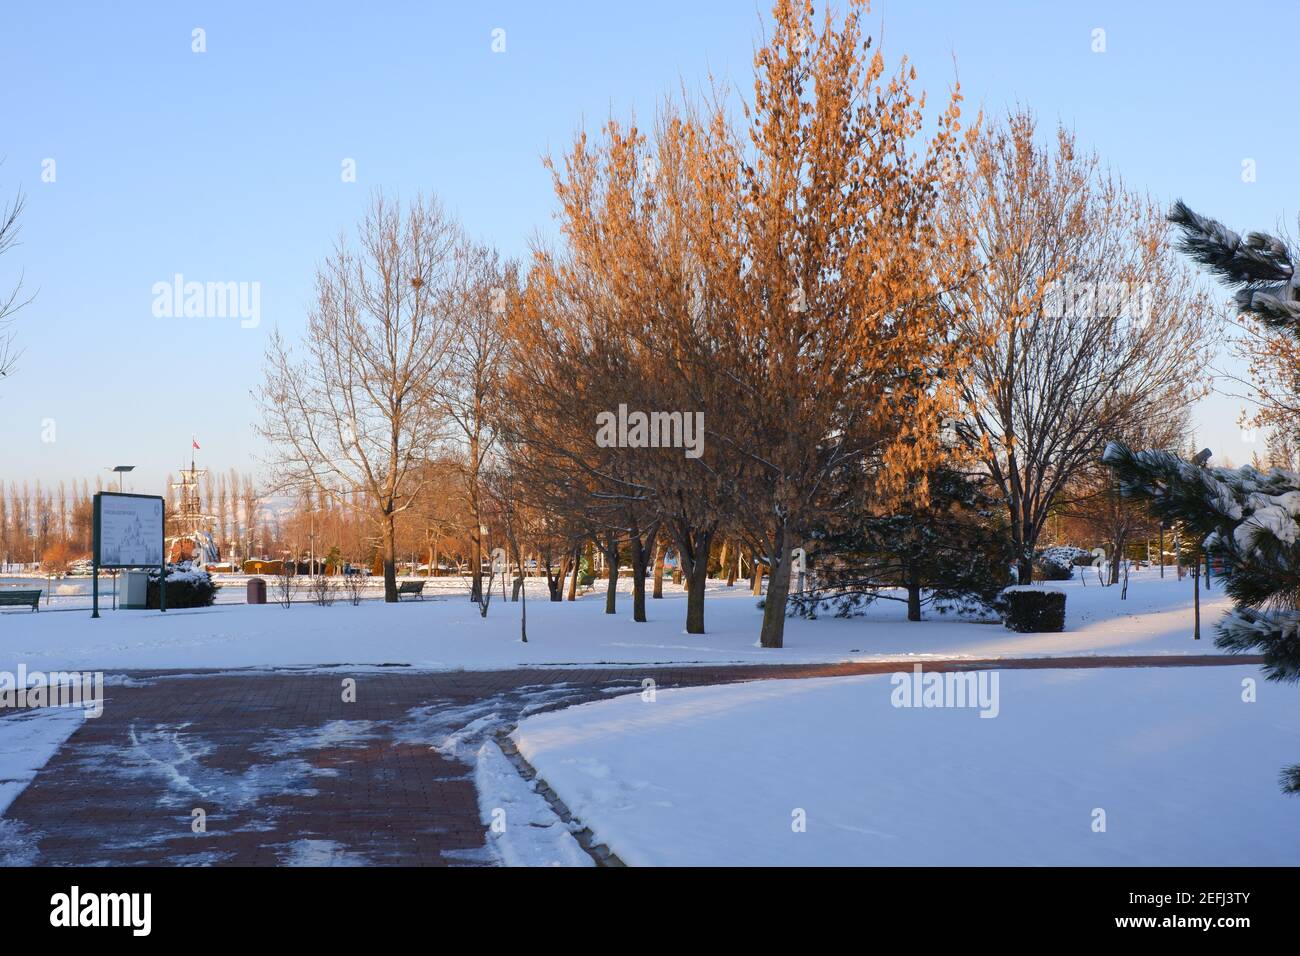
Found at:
<point>522,829</point>
<point>1184,771</point>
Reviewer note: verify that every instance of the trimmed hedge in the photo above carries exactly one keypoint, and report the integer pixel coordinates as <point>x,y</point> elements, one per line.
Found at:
<point>1034,610</point>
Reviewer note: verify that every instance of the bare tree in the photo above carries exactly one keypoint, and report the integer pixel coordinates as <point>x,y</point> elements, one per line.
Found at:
<point>322,589</point>
<point>11,303</point>
<point>1092,503</point>
<point>249,501</point>
<point>354,585</point>
<point>470,390</point>
<point>286,582</point>
<point>357,415</point>
<point>1083,321</point>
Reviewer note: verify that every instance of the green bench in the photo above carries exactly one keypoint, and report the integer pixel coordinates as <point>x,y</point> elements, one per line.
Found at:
<point>30,599</point>
<point>411,587</point>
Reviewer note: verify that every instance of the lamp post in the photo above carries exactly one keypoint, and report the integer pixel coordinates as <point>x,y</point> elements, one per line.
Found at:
<point>122,470</point>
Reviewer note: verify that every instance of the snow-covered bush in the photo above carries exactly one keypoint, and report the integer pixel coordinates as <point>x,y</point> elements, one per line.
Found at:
<point>1030,610</point>
<point>187,586</point>
<point>1058,563</point>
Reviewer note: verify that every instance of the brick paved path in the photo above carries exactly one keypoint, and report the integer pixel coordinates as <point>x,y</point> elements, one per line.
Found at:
<point>286,772</point>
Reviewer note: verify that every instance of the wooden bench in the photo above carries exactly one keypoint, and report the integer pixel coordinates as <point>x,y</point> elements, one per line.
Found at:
<point>30,599</point>
<point>411,587</point>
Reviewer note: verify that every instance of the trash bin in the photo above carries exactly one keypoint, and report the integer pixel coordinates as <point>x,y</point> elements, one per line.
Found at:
<point>256,591</point>
<point>134,593</point>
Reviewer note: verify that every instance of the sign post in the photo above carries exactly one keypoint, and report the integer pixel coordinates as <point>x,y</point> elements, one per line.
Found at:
<point>128,533</point>
<point>94,558</point>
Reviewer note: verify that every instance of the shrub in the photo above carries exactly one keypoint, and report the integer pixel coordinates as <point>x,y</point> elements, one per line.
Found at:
<point>354,586</point>
<point>322,590</point>
<point>187,586</point>
<point>1057,564</point>
<point>1030,610</point>
<point>1048,570</point>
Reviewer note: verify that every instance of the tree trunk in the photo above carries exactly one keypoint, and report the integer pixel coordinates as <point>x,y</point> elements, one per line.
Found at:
<point>1024,558</point>
<point>1027,529</point>
<point>914,593</point>
<point>390,558</point>
<point>476,566</point>
<point>577,569</point>
<point>640,566</point>
<point>517,584</point>
<point>756,578</point>
<point>733,566</point>
<point>696,559</point>
<point>659,569</point>
<point>475,532</point>
<point>555,583</point>
<point>1024,571</point>
<point>1120,546</point>
<point>778,589</point>
<point>611,561</point>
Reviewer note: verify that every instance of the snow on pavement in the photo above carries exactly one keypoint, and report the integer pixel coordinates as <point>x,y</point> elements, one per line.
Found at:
<point>1185,771</point>
<point>449,634</point>
<point>520,829</point>
<point>28,739</point>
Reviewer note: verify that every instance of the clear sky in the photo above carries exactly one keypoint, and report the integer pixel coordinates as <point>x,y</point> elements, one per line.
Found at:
<point>226,165</point>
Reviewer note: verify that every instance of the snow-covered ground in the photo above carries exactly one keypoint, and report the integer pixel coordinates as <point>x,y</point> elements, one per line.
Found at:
<point>74,592</point>
<point>1184,770</point>
<point>447,633</point>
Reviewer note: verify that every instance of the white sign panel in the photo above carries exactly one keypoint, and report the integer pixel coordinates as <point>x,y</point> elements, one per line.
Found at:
<point>130,531</point>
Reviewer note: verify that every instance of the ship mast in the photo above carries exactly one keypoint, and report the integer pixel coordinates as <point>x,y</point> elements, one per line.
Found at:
<point>189,521</point>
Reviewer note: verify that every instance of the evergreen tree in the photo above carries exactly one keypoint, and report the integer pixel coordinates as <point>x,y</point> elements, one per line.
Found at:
<point>955,546</point>
<point>1246,517</point>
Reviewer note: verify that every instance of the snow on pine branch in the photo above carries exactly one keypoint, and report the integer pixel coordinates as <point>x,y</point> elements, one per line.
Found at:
<point>1248,519</point>
<point>1259,267</point>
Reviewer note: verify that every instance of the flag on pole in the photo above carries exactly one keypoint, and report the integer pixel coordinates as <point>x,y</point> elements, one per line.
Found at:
<point>194,443</point>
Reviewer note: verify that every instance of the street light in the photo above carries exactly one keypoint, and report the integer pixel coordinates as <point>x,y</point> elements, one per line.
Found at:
<point>121,470</point>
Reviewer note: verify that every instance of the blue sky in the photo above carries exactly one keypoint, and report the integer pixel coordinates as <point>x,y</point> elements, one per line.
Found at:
<point>225,165</point>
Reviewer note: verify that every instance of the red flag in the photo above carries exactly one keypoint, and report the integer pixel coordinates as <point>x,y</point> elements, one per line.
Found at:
<point>194,443</point>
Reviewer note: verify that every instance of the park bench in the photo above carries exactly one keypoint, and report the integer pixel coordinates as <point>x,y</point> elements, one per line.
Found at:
<point>30,599</point>
<point>411,587</point>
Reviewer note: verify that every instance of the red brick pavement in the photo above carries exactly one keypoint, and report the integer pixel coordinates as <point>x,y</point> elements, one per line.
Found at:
<point>280,782</point>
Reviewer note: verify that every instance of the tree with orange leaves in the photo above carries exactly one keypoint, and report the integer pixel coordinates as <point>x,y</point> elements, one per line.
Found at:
<point>783,280</point>
<point>828,266</point>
